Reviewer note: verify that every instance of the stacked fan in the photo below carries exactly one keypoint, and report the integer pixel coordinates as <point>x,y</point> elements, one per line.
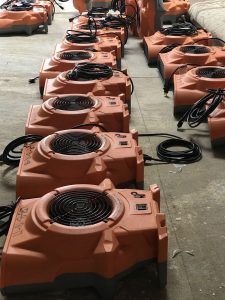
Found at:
<point>83,214</point>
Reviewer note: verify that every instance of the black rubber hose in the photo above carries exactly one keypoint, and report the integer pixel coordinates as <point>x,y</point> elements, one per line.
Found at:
<point>10,155</point>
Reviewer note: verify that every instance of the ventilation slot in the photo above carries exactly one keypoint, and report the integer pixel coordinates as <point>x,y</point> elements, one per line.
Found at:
<point>75,55</point>
<point>80,208</point>
<point>195,49</point>
<point>211,72</point>
<point>91,26</point>
<point>75,143</point>
<point>73,103</point>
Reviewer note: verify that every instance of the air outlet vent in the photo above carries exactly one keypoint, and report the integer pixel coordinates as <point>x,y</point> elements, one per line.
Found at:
<point>75,143</point>
<point>211,72</point>
<point>195,49</point>
<point>80,208</point>
<point>75,55</point>
<point>73,103</point>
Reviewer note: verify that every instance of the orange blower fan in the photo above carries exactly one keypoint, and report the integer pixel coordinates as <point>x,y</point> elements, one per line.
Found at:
<point>22,16</point>
<point>84,235</point>
<point>173,7</point>
<point>68,111</point>
<point>172,36</point>
<point>85,78</point>
<point>79,156</point>
<point>66,60</point>
<point>49,6</point>
<point>191,86</point>
<point>81,40</point>
<point>108,26</point>
<point>192,55</point>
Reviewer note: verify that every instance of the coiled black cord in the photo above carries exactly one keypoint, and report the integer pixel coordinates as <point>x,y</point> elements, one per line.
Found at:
<point>198,113</point>
<point>6,214</point>
<point>10,155</point>
<point>90,71</point>
<point>179,29</point>
<point>77,36</point>
<point>191,153</point>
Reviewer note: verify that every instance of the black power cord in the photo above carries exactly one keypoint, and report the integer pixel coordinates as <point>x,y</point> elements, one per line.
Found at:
<point>90,71</point>
<point>179,29</point>
<point>191,153</point>
<point>6,214</point>
<point>10,155</point>
<point>198,113</point>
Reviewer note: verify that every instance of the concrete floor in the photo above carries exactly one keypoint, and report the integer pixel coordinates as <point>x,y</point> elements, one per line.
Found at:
<point>193,199</point>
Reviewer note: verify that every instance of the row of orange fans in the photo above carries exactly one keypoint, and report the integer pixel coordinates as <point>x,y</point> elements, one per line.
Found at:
<point>84,231</point>
<point>191,62</point>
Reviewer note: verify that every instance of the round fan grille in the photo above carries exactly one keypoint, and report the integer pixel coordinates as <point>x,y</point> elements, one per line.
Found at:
<point>194,49</point>
<point>76,143</point>
<point>211,72</point>
<point>73,103</point>
<point>75,55</point>
<point>80,208</point>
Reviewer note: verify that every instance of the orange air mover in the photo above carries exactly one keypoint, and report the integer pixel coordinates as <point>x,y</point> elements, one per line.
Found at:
<point>67,111</point>
<point>50,8</point>
<point>149,23</point>
<point>177,34</point>
<point>108,26</point>
<point>100,80</point>
<point>191,86</point>
<point>173,7</point>
<point>79,156</point>
<point>191,54</point>
<point>84,235</point>
<point>83,41</point>
<point>81,5</point>
<point>19,17</point>
<point>66,60</point>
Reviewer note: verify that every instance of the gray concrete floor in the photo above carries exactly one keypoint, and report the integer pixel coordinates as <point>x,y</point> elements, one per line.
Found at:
<point>193,199</point>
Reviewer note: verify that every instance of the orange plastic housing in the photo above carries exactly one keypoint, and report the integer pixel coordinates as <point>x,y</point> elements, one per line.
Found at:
<point>191,86</point>
<point>216,123</point>
<point>80,5</point>
<point>81,23</point>
<point>67,111</point>
<point>191,54</point>
<point>79,156</point>
<point>48,5</point>
<point>175,7</point>
<point>23,21</point>
<point>129,232</point>
<point>155,43</point>
<point>147,17</point>
<point>117,85</point>
<point>103,43</point>
<point>66,60</point>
